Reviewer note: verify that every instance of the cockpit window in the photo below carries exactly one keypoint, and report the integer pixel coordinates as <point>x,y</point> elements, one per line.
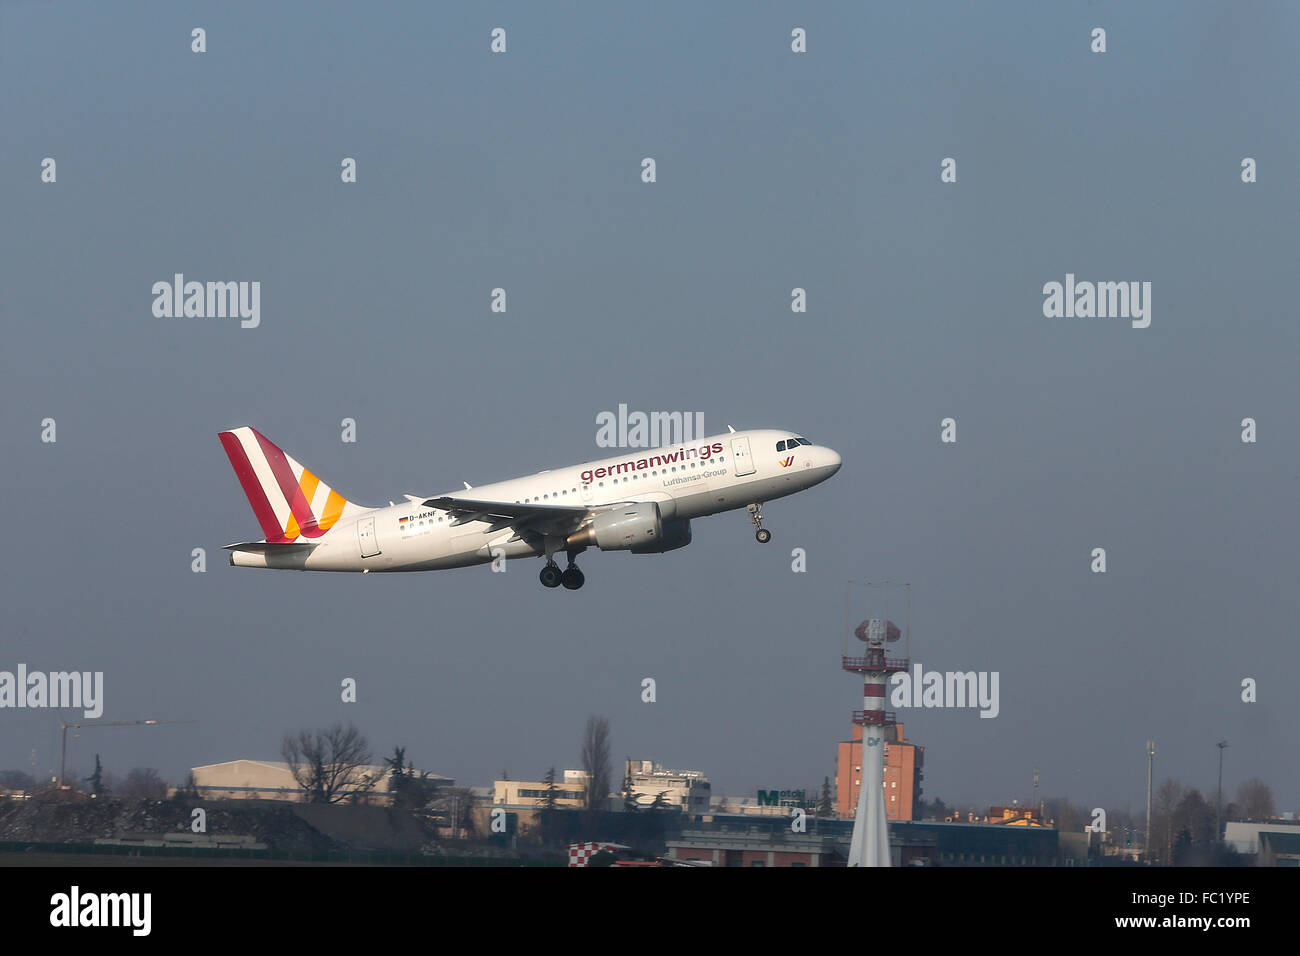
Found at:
<point>804,441</point>
<point>780,446</point>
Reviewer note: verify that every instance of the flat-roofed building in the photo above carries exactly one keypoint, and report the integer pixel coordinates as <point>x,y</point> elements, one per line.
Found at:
<point>754,842</point>
<point>533,794</point>
<point>1278,849</point>
<point>272,780</point>
<point>903,774</point>
<point>769,841</point>
<point>1246,837</point>
<point>686,790</point>
<point>753,807</point>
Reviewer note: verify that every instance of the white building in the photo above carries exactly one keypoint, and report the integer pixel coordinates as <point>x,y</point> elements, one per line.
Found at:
<point>569,792</point>
<point>685,790</point>
<point>272,780</point>
<point>1244,837</point>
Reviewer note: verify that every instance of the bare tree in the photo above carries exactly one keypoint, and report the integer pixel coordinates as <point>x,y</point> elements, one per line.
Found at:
<point>329,764</point>
<point>459,802</point>
<point>1195,815</point>
<point>1167,798</point>
<point>143,783</point>
<point>595,761</point>
<point>189,790</point>
<point>17,780</point>
<point>1068,817</point>
<point>1255,800</point>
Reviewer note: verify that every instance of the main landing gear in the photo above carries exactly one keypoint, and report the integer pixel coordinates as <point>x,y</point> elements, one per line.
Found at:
<point>571,577</point>
<point>756,516</point>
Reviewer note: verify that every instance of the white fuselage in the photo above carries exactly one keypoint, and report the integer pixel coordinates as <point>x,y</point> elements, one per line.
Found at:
<point>690,480</point>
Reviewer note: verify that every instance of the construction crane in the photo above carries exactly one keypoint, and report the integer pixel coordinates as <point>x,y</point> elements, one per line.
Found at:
<point>64,725</point>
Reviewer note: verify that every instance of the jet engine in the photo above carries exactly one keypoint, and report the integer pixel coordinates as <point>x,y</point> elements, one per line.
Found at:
<point>676,534</point>
<point>628,528</point>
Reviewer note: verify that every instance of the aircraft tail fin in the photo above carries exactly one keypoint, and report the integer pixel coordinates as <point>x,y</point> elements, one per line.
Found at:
<point>289,501</point>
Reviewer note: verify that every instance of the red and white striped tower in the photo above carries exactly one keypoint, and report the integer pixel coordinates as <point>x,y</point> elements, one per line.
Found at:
<point>870,844</point>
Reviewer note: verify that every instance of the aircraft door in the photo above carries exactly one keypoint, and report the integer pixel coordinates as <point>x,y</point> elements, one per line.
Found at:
<point>740,454</point>
<point>366,535</point>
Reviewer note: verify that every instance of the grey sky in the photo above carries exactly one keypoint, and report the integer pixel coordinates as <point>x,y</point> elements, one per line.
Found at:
<point>775,170</point>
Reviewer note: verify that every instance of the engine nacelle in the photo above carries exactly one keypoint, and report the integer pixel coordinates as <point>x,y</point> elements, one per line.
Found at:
<point>676,534</point>
<point>623,529</point>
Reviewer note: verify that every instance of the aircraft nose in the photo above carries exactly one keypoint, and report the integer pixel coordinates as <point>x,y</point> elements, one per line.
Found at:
<point>833,460</point>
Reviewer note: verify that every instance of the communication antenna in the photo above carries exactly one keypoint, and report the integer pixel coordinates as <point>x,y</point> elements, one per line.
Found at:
<point>870,585</point>
<point>869,844</point>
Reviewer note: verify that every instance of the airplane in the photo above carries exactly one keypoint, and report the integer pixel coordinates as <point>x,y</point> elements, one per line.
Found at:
<point>640,501</point>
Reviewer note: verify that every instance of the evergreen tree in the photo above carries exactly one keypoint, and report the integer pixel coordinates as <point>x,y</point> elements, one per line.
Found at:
<point>96,779</point>
<point>549,806</point>
<point>398,774</point>
<point>826,806</point>
<point>630,804</point>
<point>547,819</point>
<point>409,790</point>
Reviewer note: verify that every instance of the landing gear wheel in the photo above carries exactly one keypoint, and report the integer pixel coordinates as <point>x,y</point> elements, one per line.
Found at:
<point>756,516</point>
<point>573,578</point>
<point>551,576</point>
<point>763,535</point>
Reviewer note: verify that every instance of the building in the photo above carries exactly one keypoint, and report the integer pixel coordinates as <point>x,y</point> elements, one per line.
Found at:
<point>981,844</point>
<point>686,790</point>
<point>1248,838</point>
<point>1014,816</point>
<point>903,774</point>
<point>760,806</point>
<point>769,841</point>
<point>1278,849</point>
<point>533,794</point>
<point>755,842</point>
<point>272,780</point>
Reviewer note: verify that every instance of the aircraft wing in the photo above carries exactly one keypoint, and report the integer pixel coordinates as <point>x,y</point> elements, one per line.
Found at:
<point>539,518</point>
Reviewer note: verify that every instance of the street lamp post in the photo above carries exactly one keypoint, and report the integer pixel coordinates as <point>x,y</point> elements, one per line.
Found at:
<point>1151,759</point>
<point>1218,803</point>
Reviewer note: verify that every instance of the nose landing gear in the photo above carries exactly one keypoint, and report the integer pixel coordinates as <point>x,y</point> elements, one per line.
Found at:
<point>756,516</point>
